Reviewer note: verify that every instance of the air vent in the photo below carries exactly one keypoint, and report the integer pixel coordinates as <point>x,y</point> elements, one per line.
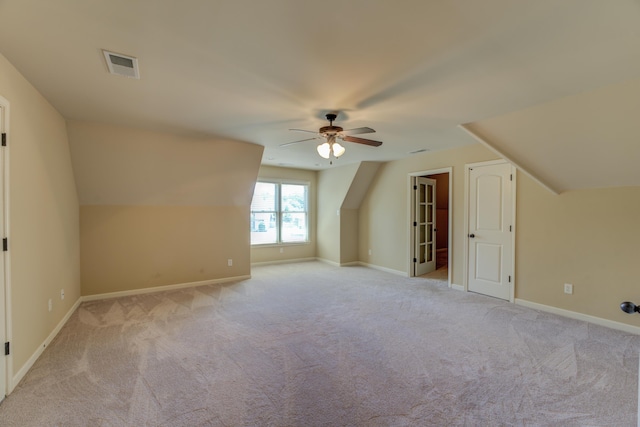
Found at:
<point>122,65</point>
<point>422,150</point>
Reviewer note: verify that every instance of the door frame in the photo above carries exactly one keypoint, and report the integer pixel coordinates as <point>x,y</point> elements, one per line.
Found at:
<point>411,216</point>
<point>467,168</point>
<point>6,257</point>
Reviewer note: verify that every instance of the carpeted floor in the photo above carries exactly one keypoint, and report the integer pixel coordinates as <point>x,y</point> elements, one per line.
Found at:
<point>314,345</point>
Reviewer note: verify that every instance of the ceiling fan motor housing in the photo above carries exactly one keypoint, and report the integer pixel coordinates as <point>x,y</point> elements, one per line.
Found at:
<point>330,130</point>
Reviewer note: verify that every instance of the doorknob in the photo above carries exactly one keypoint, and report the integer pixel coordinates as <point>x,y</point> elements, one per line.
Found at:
<point>629,307</point>
<point>472,235</point>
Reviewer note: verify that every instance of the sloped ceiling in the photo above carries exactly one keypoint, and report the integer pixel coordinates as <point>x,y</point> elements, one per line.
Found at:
<point>129,167</point>
<point>577,142</point>
<point>413,70</point>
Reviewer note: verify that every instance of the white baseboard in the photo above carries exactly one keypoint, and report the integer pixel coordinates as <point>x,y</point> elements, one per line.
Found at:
<point>29,363</point>
<point>162,288</point>
<point>385,269</point>
<point>580,316</point>
<point>349,264</point>
<point>327,261</point>
<point>282,261</point>
<point>457,287</point>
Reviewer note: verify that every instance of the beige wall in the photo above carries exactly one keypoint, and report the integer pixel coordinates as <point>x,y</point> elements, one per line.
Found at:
<point>271,253</point>
<point>135,247</point>
<point>588,238</point>
<point>43,227</point>
<point>384,212</point>
<point>333,185</point>
<point>349,236</point>
<point>161,209</point>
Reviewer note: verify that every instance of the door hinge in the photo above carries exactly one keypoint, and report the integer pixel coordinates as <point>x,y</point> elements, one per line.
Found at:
<point>510,229</point>
<point>511,177</point>
<point>415,224</point>
<point>415,187</point>
<point>6,348</point>
<point>415,260</point>
<point>4,139</point>
<point>509,279</point>
<point>5,244</point>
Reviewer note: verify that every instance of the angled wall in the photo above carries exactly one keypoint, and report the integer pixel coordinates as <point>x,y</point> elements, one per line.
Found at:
<point>160,209</point>
<point>349,235</point>
<point>340,193</point>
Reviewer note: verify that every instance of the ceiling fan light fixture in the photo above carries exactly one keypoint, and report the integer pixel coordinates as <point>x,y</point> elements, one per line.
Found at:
<point>338,150</point>
<point>324,150</point>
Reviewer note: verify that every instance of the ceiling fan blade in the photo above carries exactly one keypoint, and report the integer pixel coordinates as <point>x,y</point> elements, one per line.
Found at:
<point>362,141</point>
<point>304,130</point>
<point>295,142</point>
<point>357,131</point>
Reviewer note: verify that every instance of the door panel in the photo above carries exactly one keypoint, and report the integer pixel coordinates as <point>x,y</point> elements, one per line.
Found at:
<point>490,232</point>
<point>425,225</point>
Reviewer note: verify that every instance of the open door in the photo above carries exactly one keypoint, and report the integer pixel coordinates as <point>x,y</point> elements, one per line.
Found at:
<point>424,225</point>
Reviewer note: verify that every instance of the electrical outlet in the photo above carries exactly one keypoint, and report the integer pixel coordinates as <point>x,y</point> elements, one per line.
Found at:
<point>61,293</point>
<point>369,251</point>
<point>568,288</point>
<point>50,304</point>
<point>229,262</point>
<point>281,250</point>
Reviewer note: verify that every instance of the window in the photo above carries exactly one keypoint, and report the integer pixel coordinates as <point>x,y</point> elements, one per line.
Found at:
<point>279,213</point>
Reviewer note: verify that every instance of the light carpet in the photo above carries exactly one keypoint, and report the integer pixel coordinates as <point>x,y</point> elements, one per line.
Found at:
<point>310,344</point>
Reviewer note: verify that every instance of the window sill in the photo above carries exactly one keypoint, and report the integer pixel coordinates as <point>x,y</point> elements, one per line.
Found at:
<point>279,245</point>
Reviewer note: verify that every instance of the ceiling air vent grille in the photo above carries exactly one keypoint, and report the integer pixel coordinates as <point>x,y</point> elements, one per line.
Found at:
<point>122,65</point>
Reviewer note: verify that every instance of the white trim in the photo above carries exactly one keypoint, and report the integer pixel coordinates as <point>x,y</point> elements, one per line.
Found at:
<point>29,363</point>
<point>410,213</point>
<point>514,219</point>
<point>162,288</point>
<point>579,316</point>
<point>8,324</point>
<point>282,261</point>
<point>349,264</point>
<point>457,287</point>
<point>508,158</point>
<point>327,261</point>
<point>385,269</point>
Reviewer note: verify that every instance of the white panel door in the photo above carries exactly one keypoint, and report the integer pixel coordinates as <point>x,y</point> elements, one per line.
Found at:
<point>491,216</point>
<point>424,226</point>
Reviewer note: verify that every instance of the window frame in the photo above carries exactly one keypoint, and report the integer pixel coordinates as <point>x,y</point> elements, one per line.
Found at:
<point>279,212</point>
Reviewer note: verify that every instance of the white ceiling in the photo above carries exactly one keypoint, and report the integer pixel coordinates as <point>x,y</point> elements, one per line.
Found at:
<point>251,69</point>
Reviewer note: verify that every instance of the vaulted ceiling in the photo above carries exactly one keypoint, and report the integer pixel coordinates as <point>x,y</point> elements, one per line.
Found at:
<point>553,84</point>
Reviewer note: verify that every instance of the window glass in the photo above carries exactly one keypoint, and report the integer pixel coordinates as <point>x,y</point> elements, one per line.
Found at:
<point>263,214</point>
<point>279,213</point>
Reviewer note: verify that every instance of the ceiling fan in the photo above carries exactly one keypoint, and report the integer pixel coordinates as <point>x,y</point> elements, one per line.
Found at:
<point>331,134</point>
